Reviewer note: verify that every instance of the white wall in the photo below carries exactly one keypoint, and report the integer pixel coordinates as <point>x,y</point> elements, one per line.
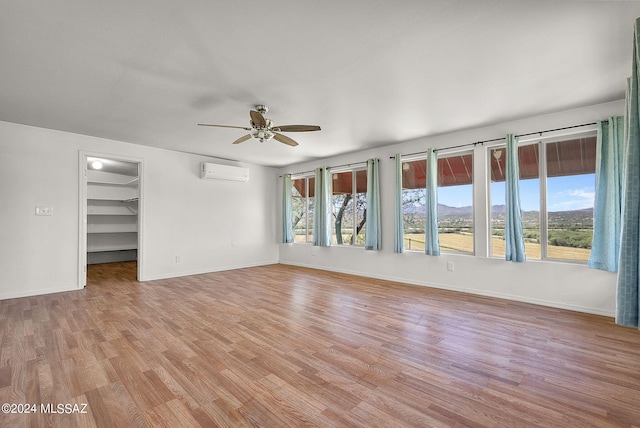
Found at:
<point>565,285</point>
<point>199,220</point>
<point>184,216</point>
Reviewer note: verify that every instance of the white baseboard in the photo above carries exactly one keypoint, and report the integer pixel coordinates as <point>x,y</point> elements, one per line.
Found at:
<point>37,292</point>
<point>506,296</point>
<point>411,281</point>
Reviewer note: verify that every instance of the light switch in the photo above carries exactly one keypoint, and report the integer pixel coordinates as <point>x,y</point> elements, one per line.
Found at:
<point>44,210</point>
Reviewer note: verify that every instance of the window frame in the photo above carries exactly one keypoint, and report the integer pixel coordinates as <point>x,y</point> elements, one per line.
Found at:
<point>354,195</point>
<point>406,160</point>
<point>308,176</point>
<point>543,213</point>
<point>308,227</point>
<point>441,155</point>
<point>541,189</point>
<point>448,153</point>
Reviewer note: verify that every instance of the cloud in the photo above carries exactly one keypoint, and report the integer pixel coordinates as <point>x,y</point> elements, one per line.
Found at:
<point>572,199</point>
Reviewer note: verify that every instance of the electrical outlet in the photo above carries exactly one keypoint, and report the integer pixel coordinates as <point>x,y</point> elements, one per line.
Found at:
<point>44,210</point>
<point>178,259</point>
<point>450,266</point>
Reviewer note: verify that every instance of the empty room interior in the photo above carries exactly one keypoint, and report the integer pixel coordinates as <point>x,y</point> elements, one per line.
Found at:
<point>410,213</point>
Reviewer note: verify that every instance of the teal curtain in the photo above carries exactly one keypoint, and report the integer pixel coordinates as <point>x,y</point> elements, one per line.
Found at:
<point>399,222</point>
<point>514,238</point>
<point>431,243</point>
<point>373,233</point>
<point>605,247</point>
<point>628,281</point>
<point>287,228</point>
<point>322,208</point>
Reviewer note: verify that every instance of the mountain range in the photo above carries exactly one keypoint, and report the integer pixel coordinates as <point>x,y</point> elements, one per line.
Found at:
<point>498,211</point>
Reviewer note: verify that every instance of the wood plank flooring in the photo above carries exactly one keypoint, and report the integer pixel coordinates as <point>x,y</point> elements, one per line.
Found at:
<point>281,346</point>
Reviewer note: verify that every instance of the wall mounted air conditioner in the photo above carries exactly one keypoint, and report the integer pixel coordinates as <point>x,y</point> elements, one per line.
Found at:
<point>224,172</point>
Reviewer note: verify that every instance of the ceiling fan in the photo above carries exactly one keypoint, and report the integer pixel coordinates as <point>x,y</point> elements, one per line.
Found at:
<point>262,129</point>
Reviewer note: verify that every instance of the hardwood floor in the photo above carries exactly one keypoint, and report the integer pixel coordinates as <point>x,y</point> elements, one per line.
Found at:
<point>285,346</point>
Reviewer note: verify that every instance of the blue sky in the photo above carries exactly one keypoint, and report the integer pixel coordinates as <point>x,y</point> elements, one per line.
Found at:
<point>456,196</point>
<point>563,193</point>
<point>571,193</point>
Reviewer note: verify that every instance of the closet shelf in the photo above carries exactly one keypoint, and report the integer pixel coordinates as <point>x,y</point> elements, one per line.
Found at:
<point>112,212</point>
<point>105,248</point>
<point>102,232</point>
<point>130,213</point>
<point>114,180</point>
<point>106,198</point>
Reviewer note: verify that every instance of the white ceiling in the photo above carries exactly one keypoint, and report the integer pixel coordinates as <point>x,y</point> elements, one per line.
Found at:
<point>369,72</point>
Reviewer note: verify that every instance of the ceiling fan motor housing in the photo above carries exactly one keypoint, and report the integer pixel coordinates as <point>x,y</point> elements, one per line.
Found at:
<point>262,133</point>
<point>262,129</point>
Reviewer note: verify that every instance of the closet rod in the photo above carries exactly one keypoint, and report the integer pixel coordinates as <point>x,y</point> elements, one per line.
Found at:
<point>499,139</point>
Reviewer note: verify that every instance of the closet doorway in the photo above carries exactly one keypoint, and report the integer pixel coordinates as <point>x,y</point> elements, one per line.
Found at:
<point>110,207</point>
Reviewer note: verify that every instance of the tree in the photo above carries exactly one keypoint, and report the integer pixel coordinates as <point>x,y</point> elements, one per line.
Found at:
<point>359,227</point>
<point>340,215</point>
<point>360,206</point>
<point>297,210</point>
<point>413,198</point>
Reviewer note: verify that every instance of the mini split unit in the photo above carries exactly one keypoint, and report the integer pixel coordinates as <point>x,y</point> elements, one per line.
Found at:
<point>216,171</point>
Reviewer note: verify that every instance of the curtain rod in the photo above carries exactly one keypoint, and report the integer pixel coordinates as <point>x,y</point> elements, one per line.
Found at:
<point>335,166</point>
<point>499,139</point>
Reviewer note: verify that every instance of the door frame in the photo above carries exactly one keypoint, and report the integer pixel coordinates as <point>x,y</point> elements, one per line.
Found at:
<point>82,211</point>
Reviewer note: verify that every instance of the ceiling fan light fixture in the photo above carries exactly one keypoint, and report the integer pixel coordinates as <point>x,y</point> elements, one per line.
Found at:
<point>262,129</point>
<point>262,135</point>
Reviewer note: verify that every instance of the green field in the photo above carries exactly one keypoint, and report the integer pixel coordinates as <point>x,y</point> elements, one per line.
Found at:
<point>463,242</point>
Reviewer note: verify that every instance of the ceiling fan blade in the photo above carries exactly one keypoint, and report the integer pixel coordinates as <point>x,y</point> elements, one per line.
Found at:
<point>241,139</point>
<point>258,119</point>
<point>284,139</point>
<point>225,126</point>
<point>296,128</point>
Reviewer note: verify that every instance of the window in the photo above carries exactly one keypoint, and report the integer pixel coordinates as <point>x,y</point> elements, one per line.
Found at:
<point>571,184</point>
<point>528,156</point>
<point>349,207</point>
<point>302,208</point>
<point>455,203</point>
<point>414,182</point>
<point>561,174</point>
